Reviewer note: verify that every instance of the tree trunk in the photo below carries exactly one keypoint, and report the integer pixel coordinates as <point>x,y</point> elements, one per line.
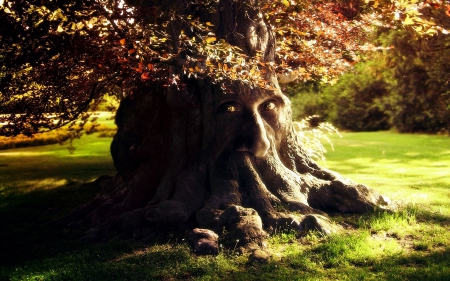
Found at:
<point>206,157</point>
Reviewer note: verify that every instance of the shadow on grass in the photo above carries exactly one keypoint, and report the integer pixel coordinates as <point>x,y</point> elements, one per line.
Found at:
<point>177,263</point>
<point>417,266</point>
<point>433,217</point>
<point>27,232</point>
<point>41,175</point>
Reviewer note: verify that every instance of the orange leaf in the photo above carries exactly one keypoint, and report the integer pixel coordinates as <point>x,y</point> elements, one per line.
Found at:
<point>145,76</point>
<point>122,41</point>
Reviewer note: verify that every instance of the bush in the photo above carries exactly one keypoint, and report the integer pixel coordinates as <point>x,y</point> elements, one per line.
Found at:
<point>60,136</point>
<point>307,100</point>
<point>359,104</point>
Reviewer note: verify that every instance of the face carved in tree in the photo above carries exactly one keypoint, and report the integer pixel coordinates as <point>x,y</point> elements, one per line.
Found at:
<point>246,175</point>
<point>250,122</point>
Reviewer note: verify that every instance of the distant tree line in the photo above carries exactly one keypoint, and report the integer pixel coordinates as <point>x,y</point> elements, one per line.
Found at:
<point>404,86</point>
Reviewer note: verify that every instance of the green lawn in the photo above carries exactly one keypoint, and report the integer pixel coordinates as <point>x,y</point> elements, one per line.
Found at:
<point>43,167</point>
<point>40,184</point>
<point>408,168</point>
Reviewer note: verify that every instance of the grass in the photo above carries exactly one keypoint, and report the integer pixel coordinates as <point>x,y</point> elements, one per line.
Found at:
<point>412,169</point>
<point>44,167</point>
<point>43,183</point>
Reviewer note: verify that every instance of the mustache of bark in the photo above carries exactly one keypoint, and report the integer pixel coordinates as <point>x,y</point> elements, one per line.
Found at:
<point>240,178</point>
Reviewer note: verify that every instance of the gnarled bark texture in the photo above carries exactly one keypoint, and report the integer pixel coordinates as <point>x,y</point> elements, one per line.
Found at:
<point>201,157</point>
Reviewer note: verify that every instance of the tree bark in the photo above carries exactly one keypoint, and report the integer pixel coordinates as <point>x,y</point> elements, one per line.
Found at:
<point>207,158</point>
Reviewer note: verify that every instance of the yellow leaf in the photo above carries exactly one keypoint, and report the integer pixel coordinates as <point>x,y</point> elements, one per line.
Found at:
<point>431,31</point>
<point>285,3</point>
<point>209,40</point>
<point>209,24</point>
<point>80,25</point>
<point>408,21</point>
<point>300,32</point>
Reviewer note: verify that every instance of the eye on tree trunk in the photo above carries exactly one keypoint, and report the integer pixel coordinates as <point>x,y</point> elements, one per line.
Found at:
<point>205,156</point>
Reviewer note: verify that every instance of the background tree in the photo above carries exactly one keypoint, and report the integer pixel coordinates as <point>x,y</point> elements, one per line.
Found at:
<point>205,135</point>
<point>421,100</point>
<point>402,85</point>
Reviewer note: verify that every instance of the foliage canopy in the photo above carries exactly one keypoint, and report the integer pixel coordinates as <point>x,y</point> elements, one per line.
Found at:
<point>57,56</point>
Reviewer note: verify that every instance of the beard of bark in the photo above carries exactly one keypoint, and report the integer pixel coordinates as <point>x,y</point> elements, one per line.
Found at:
<point>206,158</point>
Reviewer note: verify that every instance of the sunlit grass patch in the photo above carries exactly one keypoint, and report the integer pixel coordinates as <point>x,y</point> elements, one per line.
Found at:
<point>410,169</point>
<point>354,249</point>
<point>36,166</point>
<point>398,221</point>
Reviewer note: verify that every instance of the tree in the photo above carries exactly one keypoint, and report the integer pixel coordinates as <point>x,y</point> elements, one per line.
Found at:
<point>403,84</point>
<point>205,136</point>
<point>422,100</point>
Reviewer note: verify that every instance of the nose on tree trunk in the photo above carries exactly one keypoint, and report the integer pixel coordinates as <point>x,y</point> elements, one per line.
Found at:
<point>219,163</point>
<point>253,136</point>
